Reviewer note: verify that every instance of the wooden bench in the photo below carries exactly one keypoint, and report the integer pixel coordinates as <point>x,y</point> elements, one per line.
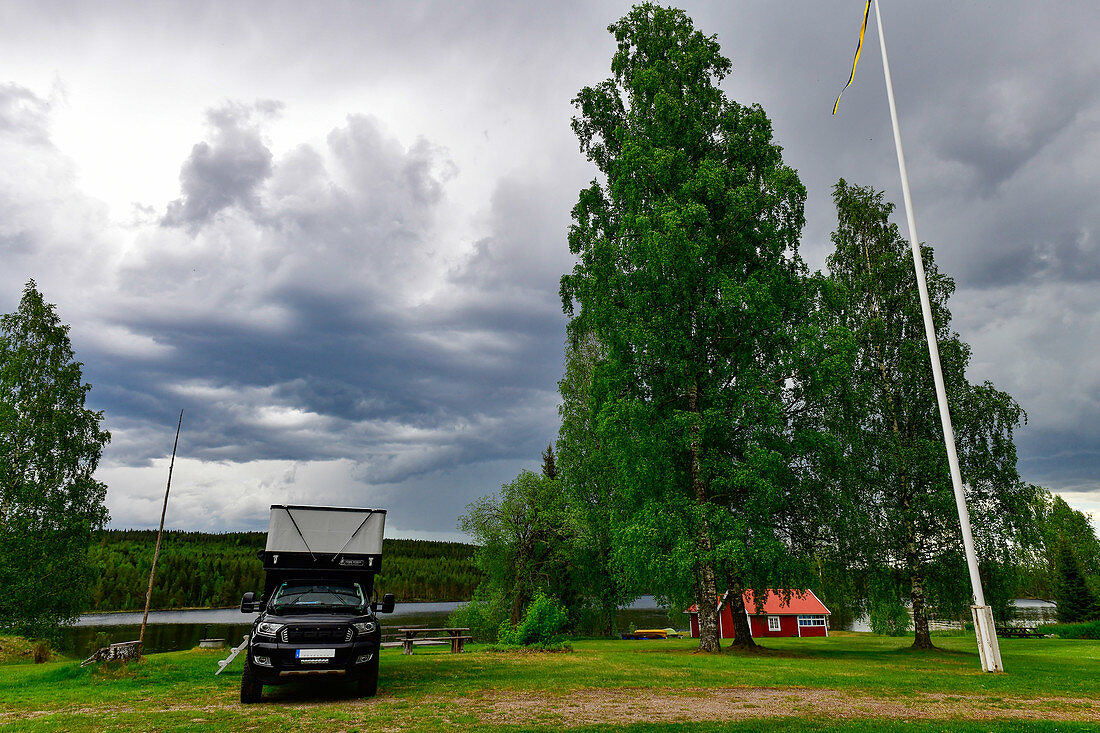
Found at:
<point>454,636</point>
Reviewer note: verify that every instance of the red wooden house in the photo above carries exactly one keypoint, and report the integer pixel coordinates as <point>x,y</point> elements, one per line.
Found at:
<point>804,615</point>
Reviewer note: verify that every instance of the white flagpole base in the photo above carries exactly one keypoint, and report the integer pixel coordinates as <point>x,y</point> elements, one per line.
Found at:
<point>988,647</point>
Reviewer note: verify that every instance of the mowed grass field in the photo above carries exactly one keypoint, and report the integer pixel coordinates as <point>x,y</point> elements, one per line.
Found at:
<point>847,682</point>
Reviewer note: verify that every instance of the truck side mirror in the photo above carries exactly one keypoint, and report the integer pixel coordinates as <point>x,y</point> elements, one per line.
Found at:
<point>248,603</point>
<point>387,604</point>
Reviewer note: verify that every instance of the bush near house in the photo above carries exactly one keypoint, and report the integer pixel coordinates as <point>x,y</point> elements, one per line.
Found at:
<point>1084,630</point>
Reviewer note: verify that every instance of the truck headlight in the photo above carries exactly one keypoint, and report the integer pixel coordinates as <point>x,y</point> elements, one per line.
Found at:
<point>261,661</point>
<point>365,627</point>
<point>268,628</point>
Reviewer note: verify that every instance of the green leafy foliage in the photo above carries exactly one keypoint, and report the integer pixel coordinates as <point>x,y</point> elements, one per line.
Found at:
<point>689,283</point>
<point>896,500</point>
<point>523,535</point>
<point>202,570</point>
<point>542,623</point>
<point>588,483</point>
<point>1084,630</point>
<point>889,617</point>
<point>482,617</point>
<point>1060,524</point>
<point>1076,602</point>
<point>50,446</point>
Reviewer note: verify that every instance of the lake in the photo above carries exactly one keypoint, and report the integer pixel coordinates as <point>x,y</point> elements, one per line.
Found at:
<point>170,631</point>
<point>1029,612</point>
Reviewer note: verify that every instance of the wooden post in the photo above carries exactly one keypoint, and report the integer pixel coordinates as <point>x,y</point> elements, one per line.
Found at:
<point>156,551</point>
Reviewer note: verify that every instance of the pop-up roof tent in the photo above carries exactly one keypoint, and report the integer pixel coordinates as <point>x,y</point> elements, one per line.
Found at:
<point>319,541</point>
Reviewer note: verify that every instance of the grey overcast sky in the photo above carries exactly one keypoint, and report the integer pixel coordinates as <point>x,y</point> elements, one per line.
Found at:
<point>332,232</point>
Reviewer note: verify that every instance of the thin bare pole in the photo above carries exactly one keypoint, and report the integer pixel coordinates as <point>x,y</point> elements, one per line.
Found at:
<point>983,627</point>
<point>156,551</point>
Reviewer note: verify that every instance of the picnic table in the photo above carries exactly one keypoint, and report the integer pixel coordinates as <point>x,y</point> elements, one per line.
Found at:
<point>1018,632</point>
<point>454,634</point>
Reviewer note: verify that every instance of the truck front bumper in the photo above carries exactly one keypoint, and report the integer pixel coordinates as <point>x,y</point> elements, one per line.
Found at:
<point>274,662</point>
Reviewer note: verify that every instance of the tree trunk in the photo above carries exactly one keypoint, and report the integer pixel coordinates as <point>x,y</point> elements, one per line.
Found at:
<point>519,600</point>
<point>922,639</point>
<point>742,636</point>
<point>609,587</point>
<point>706,595</point>
<point>706,600</point>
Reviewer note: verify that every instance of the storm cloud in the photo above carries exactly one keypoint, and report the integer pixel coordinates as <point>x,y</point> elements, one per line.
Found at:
<point>334,237</point>
<point>225,171</point>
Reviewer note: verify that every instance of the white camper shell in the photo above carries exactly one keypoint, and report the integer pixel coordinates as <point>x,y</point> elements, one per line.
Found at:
<point>330,538</point>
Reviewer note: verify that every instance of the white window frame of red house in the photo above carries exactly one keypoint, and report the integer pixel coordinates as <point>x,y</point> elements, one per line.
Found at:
<point>775,623</point>
<point>811,620</point>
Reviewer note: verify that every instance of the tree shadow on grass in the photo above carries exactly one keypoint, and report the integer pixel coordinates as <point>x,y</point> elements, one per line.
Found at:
<point>837,653</point>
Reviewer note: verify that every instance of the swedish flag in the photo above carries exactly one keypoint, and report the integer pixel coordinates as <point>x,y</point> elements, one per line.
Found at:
<point>859,48</point>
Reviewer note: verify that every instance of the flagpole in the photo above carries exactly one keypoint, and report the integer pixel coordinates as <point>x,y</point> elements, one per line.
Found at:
<point>156,550</point>
<point>982,615</point>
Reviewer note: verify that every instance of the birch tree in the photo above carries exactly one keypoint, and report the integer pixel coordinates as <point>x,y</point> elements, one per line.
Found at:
<point>887,416</point>
<point>50,445</point>
<point>688,277</point>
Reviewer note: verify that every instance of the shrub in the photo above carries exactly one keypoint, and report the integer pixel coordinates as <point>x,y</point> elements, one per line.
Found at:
<point>889,617</point>
<point>41,652</point>
<point>1085,630</point>
<point>479,616</point>
<point>541,624</point>
<point>559,646</point>
<point>97,642</point>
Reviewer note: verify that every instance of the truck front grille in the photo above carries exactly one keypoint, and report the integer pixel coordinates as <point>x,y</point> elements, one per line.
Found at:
<point>316,634</point>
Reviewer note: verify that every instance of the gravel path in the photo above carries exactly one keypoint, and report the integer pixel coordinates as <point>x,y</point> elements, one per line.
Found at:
<point>623,706</point>
<point>585,707</point>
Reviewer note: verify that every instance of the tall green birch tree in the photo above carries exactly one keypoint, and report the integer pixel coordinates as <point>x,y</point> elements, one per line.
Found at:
<point>887,417</point>
<point>688,278</point>
<point>50,445</point>
<point>588,478</point>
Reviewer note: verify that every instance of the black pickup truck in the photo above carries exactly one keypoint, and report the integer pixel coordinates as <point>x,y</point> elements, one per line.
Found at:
<point>316,613</point>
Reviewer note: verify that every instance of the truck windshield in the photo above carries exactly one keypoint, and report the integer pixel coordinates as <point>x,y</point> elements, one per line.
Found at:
<point>301,596</point>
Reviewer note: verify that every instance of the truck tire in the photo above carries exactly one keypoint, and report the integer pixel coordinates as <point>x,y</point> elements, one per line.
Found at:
<point>252,690</point>
<point>368,683</point>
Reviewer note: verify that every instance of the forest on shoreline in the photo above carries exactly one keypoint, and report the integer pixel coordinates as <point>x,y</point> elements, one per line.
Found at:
<point>205,570</point>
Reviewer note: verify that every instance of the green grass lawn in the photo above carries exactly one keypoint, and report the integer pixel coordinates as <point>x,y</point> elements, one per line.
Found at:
<point>1050,685</point>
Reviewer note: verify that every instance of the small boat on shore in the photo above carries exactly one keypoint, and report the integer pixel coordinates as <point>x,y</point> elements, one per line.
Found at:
<point>652,634</point>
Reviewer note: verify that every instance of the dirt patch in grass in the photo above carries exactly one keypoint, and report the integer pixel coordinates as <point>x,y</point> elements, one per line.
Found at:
<point>645,705</point>
<point>596,707</point>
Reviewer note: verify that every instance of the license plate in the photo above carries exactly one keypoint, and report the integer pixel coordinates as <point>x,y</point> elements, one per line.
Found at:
<point>315,653</point>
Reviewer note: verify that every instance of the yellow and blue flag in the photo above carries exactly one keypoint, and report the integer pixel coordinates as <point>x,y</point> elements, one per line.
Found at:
<point>859,48</point>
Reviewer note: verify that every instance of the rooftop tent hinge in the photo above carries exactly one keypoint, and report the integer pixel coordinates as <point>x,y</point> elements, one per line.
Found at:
<point>298,529</point>
<point>352,535</point>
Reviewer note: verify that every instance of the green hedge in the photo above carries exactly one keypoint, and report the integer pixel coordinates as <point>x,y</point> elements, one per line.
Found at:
<point>1083,630</point>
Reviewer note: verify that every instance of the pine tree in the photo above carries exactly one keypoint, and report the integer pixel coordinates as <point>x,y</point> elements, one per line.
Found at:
<point>1075,601</point>
<point>549,465</point>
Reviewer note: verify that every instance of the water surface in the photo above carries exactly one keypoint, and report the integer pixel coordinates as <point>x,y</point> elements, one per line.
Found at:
<point>169,631</point>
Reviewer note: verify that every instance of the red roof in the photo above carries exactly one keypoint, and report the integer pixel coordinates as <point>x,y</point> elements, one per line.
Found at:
<point>802,602</point>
